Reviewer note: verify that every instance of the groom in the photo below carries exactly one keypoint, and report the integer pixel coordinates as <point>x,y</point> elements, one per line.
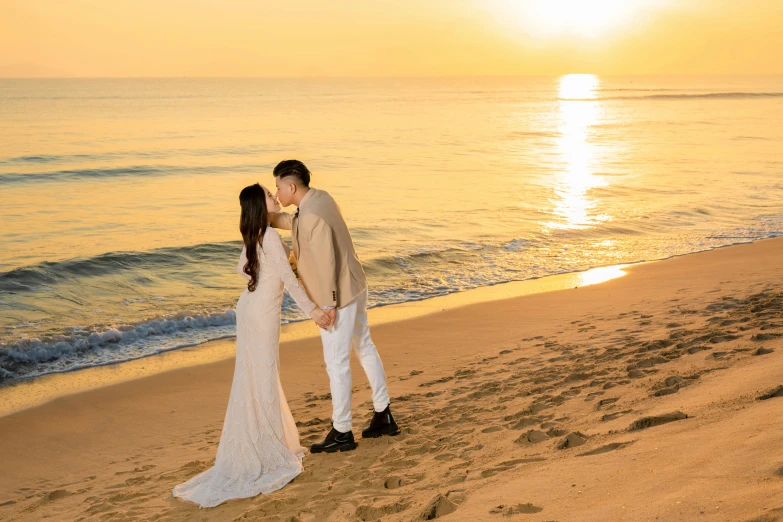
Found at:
<point>334,279</point>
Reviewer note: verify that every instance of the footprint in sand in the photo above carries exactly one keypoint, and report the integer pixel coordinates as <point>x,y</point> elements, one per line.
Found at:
<point>457,479</point>
<point>137,469</point>
<point>656,420</point>
<point>315,421</point>
<point>438,507</point>
<point>56,495</point>
<point>394,483</point>
<point>607,448</point>
<point>194,467</point>
<point>775,392</point>
<point>572,440</point>
<point>765,336</point>
<point>445,457</point>
<point>666,391</point>
<point>556,432</point>
<point>418,450</point>
<point>671,381</point>
<point>401,464</point>
<point>519,509</point>
<point>491,429</point>
<point>492,472</point>
<point>613,416</point>
<point>136,480</point>
<point>326,397</point>
<point>606,402</point>
<point>723,338</point>
<point>524,422</point>
<point>507,465</point>
<point>365,513</point>
<point>532,437</point>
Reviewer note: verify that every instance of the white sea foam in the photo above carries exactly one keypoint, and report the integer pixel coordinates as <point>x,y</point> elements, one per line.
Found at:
<point>29,357</point>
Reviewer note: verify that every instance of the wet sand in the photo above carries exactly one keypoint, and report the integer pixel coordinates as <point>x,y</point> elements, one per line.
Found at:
<point>655,396</point>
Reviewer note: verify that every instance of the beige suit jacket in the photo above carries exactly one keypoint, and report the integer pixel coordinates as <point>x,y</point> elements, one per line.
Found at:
<point>325,258</point>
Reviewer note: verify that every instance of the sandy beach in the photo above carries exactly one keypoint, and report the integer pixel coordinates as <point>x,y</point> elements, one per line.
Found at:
<point>562,219</point>
<point>655,396</point>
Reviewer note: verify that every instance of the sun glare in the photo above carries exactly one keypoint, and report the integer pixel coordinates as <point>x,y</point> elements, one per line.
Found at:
<point>589,18</point>
<point>578,110</point>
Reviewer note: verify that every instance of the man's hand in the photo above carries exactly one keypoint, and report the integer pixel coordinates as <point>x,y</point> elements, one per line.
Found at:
<point>332,315</point>
<point>321,318</point>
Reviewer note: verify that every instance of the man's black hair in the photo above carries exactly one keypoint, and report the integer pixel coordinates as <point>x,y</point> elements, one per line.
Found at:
<point>293,168</point>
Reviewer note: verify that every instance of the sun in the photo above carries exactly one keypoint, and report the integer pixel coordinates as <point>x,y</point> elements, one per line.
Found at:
<point>589,18</point>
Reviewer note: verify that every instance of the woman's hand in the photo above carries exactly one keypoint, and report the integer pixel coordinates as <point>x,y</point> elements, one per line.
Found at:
<point>321,318</point>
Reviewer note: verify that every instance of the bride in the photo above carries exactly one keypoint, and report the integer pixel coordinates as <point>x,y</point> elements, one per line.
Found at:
<point>259,450</point>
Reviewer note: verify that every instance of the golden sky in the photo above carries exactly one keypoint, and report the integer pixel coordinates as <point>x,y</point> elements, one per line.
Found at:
<point>130,38</point>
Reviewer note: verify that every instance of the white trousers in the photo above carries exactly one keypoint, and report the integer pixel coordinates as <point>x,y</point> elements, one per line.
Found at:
<point>352,330</point>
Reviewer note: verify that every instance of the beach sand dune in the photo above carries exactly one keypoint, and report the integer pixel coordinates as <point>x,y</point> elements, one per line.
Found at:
<point>656,396</point>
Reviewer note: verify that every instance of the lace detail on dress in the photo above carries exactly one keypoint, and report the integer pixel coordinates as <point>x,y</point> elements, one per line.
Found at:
<point>273,247</point>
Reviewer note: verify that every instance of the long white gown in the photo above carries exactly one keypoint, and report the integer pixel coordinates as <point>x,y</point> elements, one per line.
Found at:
<point>259,450</point>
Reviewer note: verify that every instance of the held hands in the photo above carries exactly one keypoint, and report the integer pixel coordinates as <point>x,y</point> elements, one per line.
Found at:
<point>322,317</point>
<point>332,313</point>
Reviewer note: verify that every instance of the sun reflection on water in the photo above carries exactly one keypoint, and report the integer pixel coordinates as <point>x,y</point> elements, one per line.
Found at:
<point>600,275</point>
<point>576,114</point>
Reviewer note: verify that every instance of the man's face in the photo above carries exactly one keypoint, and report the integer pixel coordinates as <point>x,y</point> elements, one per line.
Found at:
<point>285,191</point>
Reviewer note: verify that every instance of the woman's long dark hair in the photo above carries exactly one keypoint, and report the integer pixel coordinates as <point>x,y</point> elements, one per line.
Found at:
<point>252,224</point>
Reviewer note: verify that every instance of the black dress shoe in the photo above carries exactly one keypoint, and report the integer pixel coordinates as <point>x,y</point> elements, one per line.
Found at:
<point>335,441</point>
<point>382,423</point>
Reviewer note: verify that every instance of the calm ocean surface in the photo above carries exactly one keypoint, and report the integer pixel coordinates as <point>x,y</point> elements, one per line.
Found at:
<point>119,198</point>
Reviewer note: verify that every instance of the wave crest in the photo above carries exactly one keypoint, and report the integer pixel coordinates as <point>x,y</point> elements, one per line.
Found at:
<point>24,356</point>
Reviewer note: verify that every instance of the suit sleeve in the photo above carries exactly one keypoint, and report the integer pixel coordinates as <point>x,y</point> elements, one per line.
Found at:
<point>281,220</point>
<point>321,246</point>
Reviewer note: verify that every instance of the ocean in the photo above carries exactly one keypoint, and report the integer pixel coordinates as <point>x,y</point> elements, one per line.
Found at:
<point>119,203</point>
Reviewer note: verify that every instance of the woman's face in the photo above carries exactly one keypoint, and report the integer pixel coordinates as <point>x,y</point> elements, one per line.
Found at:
<point>271,202</point>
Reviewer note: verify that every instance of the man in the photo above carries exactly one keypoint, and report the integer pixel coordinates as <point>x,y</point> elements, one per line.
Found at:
<point>335,280</point>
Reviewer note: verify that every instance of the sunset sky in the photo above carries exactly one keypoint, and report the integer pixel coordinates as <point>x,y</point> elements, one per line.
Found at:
<point>172,38</point>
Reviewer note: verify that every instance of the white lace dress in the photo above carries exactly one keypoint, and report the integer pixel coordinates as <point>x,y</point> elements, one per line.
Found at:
<point>259,450</point>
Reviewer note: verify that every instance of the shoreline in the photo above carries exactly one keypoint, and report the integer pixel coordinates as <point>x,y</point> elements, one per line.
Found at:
<point>30,392</point>
<point>506,405</point>
<point>295,330</point>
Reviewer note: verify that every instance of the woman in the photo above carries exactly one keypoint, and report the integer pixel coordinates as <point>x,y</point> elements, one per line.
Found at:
<point>259,450</point>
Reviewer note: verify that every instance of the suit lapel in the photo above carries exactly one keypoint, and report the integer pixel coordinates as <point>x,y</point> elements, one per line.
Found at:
<point>295,234</point>
<point>295,225</point>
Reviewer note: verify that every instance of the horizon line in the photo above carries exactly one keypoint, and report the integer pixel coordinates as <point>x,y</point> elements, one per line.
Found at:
<point>549,75</point>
